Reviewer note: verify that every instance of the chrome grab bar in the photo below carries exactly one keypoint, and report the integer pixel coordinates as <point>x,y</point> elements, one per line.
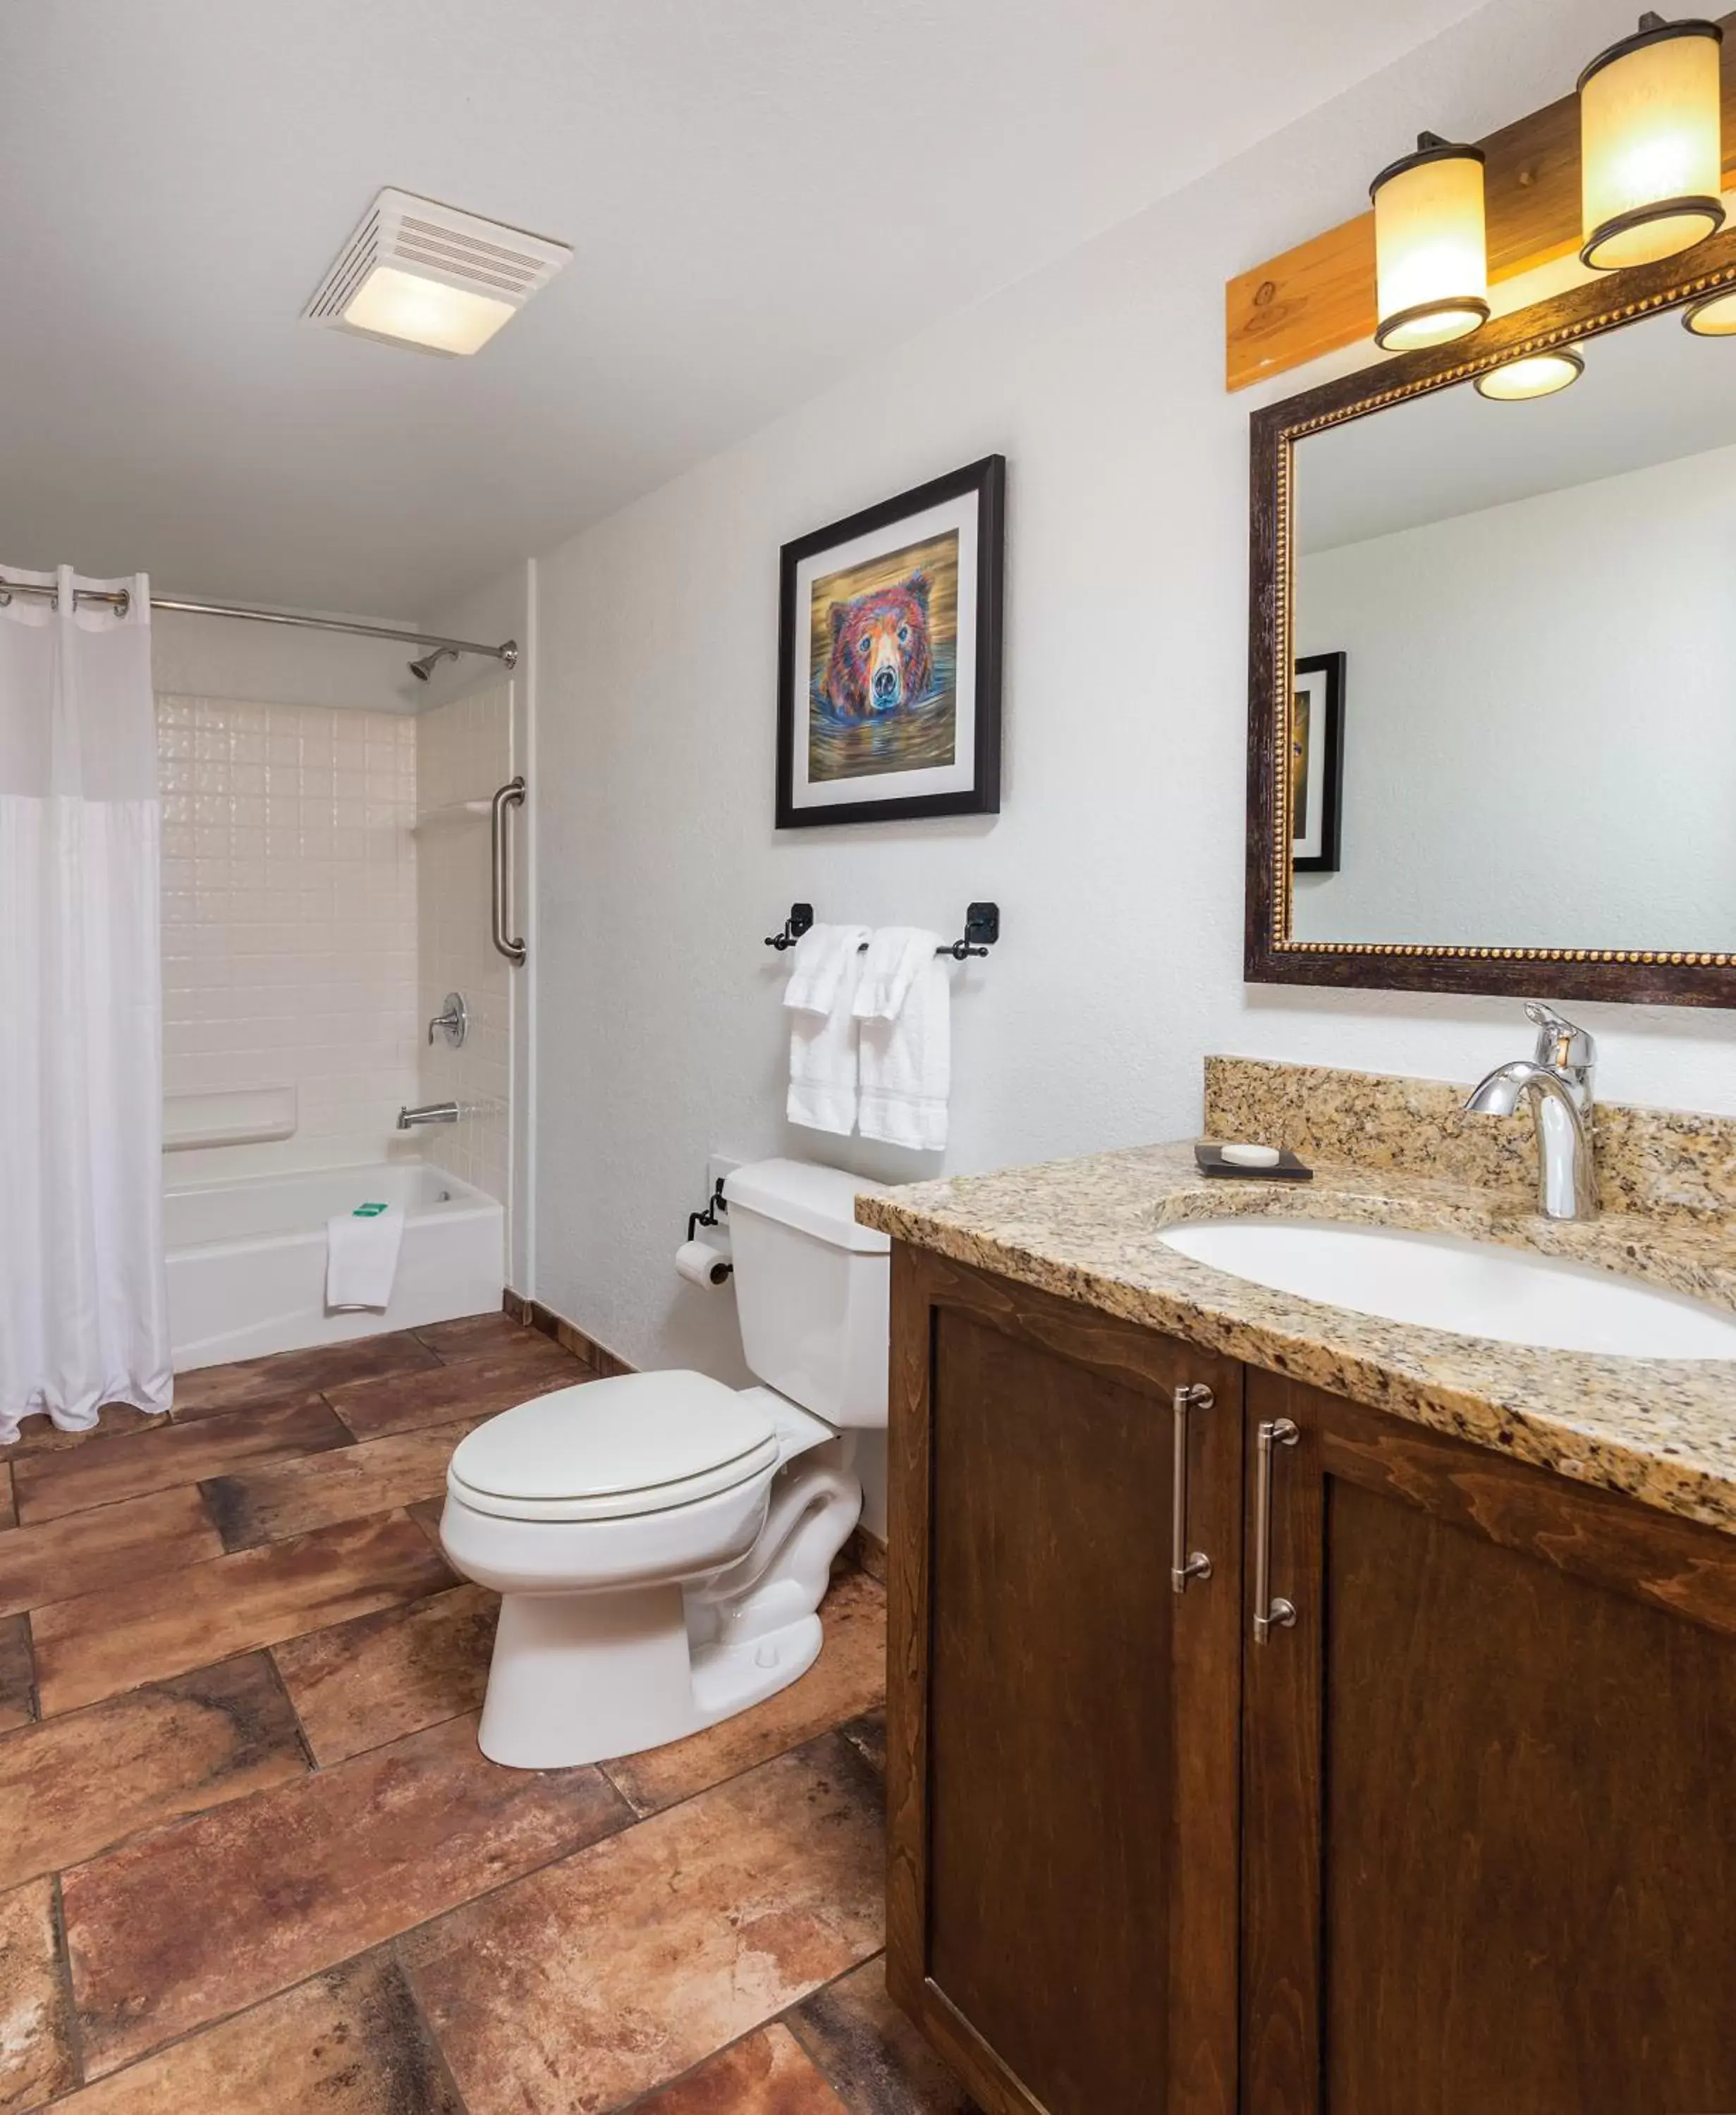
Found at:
<point>512,794</point>
<point>1273,1432</point>
<point>1183,1564</point>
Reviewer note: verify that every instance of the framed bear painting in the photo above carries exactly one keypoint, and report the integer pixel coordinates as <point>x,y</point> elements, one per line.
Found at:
<point>889,658</point>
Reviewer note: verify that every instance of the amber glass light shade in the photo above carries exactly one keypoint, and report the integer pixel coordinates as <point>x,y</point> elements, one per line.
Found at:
<point>1715,317</point>
<point>1538,374</point>
<point>1431,266</point>
<point>1651,145</point>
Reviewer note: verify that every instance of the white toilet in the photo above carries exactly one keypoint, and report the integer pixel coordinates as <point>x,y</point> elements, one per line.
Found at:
<point>662,1542</point>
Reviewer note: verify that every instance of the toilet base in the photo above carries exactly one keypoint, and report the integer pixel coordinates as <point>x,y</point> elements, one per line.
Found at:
<point>586,1676</point>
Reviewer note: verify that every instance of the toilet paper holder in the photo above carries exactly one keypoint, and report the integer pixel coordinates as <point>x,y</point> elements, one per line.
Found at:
<point>716,1203</point>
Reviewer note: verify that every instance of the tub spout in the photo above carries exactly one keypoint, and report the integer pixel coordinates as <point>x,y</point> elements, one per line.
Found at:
<point>428,1112</point>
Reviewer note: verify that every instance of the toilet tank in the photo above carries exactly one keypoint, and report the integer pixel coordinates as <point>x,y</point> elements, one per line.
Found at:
<point>811,1288</point>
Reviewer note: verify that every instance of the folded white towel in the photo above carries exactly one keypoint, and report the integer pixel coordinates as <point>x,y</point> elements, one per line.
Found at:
<point>361,1257</point>
<point>820,995</point>
<point>904,1006</point>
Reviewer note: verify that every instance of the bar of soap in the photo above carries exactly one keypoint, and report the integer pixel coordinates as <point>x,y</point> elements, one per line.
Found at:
<point>1251,1156</point>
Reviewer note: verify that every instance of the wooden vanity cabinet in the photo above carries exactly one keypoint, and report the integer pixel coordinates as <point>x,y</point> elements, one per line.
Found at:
<point>1061,1743</point>
<point>1460,1835</point>
<point>1488,1784</point>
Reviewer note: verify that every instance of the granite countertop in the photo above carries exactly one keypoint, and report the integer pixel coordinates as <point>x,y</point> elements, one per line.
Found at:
<point>1663,1430</point>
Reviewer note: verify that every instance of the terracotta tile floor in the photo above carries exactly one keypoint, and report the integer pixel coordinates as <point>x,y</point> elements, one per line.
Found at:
<point>251,1860</point>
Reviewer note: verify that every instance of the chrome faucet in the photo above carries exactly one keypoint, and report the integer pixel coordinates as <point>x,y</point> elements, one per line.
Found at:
<point>428,1112</point>
<point>1556,1080</point>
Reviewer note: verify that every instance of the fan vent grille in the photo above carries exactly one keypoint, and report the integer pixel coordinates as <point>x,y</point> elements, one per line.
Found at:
<point>437,242</point>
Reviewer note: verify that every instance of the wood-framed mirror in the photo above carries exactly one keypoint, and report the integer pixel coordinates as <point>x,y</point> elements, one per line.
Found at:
<point>1492,661</point>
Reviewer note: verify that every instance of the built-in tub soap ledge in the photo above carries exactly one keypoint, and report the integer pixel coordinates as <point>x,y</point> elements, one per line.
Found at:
<point>240,1116</point>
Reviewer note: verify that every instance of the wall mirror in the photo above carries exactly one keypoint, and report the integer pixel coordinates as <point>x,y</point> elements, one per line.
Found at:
<point>1493,695</point>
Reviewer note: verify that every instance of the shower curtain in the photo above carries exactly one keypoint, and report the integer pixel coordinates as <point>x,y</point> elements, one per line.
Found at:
<point>84,1307</point>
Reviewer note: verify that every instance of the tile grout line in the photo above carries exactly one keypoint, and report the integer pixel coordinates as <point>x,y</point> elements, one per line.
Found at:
<point>186,1421</point>
<point>74,2028</point>
<point>325,1397</point>
<point>434,2042</point>
<point>313,1765</point>
<point>36,1718</point>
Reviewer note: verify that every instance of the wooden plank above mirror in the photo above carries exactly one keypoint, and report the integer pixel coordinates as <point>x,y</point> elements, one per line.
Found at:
<point>1509,628</point>
<point>1319,297</point>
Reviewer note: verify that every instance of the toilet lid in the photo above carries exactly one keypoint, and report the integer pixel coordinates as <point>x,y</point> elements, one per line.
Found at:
<point>631,1444</point>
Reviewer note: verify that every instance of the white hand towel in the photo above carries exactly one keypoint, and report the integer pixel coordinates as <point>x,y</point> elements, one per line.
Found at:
<point>820,995</point>
<point>361,1257</point>
<point>904,1006</point>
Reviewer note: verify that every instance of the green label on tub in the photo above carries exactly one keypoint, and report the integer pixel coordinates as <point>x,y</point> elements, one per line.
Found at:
<point>367,1211</point>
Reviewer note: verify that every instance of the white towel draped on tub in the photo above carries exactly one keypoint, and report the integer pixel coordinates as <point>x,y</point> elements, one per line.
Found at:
<point>903,1009</point>
<point>361,1257</point>
<point>820,995</point>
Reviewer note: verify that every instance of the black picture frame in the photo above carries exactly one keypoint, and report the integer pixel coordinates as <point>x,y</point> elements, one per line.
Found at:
<point>987,480</point>
<point>1331,778</point>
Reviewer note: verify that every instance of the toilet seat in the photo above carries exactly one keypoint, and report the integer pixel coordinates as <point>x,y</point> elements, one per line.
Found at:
<point>613,1449</point>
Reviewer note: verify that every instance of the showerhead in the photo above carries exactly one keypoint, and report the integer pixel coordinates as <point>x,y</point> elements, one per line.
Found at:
<point>424,669</point>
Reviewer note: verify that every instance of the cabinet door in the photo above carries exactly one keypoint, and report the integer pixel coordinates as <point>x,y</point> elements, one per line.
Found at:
<point>1062,1749</point>
<point>1489,1779</point>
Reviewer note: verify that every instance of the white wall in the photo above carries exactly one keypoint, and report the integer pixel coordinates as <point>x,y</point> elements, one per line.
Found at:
<point>1540,740</point>
<point>1118,858</point>
<point>225,656</point>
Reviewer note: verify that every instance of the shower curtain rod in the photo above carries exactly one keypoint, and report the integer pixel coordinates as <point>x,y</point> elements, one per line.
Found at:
<point>121,598</point>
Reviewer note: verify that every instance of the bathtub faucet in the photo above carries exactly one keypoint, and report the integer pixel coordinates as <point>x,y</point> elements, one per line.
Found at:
<point>428,1112</point>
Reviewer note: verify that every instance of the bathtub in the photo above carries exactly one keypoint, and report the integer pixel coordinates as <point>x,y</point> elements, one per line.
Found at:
<point>247,1260</point>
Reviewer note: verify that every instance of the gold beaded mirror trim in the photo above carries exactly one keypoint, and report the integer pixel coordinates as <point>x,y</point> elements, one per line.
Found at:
<point>1585,311</point>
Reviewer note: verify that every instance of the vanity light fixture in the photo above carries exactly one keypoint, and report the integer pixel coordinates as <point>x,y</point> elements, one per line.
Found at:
<point>1715,317</point>
<point>420,273</point>
<point>1650,144</point>
<point>1431,268</point>
<point>1538,374</point>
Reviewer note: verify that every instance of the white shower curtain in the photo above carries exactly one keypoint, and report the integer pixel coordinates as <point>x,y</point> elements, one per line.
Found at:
<point>84,1309</point>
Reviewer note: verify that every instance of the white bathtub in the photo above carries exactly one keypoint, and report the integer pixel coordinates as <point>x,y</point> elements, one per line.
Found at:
<point>247,1260</point>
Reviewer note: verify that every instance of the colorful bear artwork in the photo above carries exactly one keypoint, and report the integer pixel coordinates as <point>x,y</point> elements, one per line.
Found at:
<point>882,657</point>
<point>881,660</point>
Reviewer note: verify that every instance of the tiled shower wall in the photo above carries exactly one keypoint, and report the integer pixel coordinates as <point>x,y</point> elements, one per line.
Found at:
<point>464,751</point>
<point>289,922</point>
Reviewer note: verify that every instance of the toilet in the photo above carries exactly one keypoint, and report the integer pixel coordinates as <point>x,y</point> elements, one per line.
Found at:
<point>662,1542</point>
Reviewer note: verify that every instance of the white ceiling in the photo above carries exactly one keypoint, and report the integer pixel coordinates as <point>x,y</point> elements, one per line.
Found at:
<point>761,194</point>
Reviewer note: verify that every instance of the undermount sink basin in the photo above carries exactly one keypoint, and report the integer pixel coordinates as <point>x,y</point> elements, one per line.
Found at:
<point>1473,1288</point>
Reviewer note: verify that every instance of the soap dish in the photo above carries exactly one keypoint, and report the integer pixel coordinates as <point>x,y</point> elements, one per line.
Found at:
<point>1287,1168</point>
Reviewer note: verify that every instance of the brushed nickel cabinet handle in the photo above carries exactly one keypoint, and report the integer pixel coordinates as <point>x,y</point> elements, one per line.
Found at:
<point>510,795</point>
<point>1185,1564</point>
<point>1268,1610</point>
